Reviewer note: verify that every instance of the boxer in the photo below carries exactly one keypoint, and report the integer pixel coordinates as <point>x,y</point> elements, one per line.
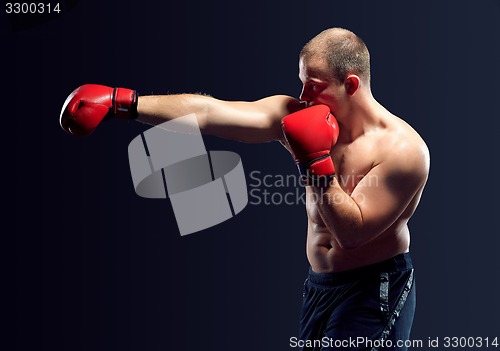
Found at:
<point>365,171</point>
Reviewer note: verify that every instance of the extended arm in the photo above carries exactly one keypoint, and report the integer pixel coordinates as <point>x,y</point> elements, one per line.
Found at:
<point>256,121</point>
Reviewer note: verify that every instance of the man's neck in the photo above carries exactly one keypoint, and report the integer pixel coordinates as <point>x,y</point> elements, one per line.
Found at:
<point>364,114</point>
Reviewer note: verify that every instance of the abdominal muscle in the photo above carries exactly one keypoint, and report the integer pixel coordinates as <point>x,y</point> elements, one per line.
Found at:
<point>326,255</point>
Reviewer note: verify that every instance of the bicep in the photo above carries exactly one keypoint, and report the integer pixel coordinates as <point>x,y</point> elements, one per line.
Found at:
<point>255,121</point>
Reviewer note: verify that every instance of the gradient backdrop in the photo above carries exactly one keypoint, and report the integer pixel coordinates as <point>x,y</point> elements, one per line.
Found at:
<point>89,265</point>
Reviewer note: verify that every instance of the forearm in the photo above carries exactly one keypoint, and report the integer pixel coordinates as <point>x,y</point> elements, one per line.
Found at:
<point>157,109</point>
<point>341,214</point>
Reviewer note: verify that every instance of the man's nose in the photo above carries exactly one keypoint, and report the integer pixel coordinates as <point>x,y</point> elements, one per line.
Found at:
<point>304,96</point>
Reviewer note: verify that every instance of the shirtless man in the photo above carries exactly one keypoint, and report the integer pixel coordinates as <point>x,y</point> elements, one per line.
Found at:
<point>360,283</point>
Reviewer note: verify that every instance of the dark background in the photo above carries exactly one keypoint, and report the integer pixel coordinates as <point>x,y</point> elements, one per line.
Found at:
<point>89,265</point>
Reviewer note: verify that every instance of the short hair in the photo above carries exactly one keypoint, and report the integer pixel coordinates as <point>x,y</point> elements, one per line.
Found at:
<point>344,51</point>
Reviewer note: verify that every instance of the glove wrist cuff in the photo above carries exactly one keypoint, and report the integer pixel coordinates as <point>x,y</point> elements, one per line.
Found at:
<point>125,103</point>
<point>317,172</point>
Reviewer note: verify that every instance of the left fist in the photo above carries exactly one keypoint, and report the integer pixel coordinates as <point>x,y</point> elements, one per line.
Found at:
<point>311,133</point>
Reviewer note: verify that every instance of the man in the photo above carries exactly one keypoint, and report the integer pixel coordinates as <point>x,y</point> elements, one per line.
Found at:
<point>365,171</point>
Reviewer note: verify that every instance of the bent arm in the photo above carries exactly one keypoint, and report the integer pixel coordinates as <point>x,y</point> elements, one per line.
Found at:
<point>378,200</point>
<point>253,122</point>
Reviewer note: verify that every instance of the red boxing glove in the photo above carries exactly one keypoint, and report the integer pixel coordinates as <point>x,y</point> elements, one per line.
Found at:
<point>311,133</point>
<point>90,104</point>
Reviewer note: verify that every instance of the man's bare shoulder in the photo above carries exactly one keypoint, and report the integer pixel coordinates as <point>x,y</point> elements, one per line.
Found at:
<point>406,138</point>
<point>404,149</point>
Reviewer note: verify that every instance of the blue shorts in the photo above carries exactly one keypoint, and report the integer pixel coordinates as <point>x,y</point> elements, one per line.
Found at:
<point>368,308</point>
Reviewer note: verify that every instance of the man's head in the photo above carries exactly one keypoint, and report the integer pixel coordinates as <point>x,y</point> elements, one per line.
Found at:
<point>344,52</point>
<point>334,62</point>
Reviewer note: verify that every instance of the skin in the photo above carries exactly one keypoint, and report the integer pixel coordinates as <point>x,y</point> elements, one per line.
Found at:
<point>381,162</point>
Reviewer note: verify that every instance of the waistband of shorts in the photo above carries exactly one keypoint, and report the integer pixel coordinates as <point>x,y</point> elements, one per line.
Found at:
<point>401,262</point>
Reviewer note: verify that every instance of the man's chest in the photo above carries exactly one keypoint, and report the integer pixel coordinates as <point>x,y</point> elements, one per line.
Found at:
<point>352,163</point>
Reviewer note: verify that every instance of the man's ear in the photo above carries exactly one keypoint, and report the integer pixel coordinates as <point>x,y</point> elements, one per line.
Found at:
<point>351,84</point>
